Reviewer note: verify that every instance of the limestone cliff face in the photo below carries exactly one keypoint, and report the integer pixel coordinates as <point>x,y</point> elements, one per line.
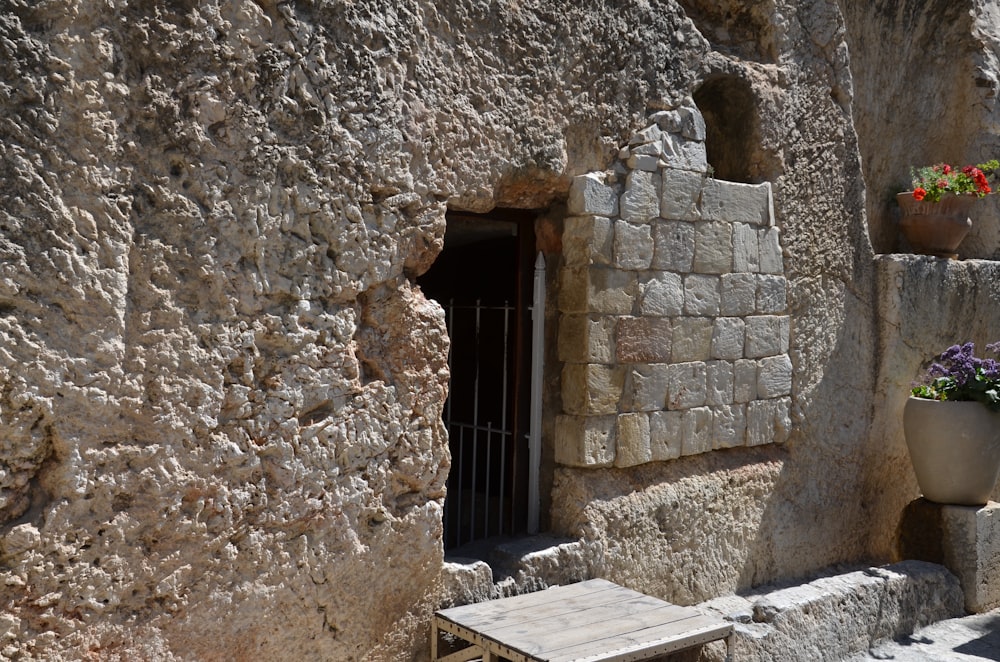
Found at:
<point>220,390</point>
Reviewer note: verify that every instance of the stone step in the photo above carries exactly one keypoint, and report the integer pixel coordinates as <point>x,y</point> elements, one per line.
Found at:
<point>840,616</point>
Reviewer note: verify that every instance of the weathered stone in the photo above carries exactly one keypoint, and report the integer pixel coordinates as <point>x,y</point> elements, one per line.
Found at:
<point>701,295</point>
<point>838,617</point>
<point>587,338</point>
<point>771,294</point>
<point>746,248</point>
<point>744,380</point>
<point>686,385</point>
<point>590,196</point>
<point>767,335</point>
<point>737,203</point>
<point>719,383</point>
<point>774,376</point>
<point>697,431</point>
<point>648,387</point>
<point>674,246</point>
<point>633,246</point>
<point>597,290</point>
<point>587,240</point>
<point>729,426</point>
<point>680,194</point>
<point>713,248</point>
<point>684,154</point>
<point>771,261</point>
<point>728,338</point>
<point>738,294</point>
<point>644,339</point>
<point>640,202</point>
<point>646,162</point>
<point>632,444</point>
<point>661,294</point>
<point>590,389</point>
<point>963,538</point>
<point>768,421</point>
<point>692,339</point>
<point>585,441</point>
<point>666,432</point>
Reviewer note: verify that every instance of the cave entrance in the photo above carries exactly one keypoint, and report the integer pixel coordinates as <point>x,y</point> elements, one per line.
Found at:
<point>483,280</point>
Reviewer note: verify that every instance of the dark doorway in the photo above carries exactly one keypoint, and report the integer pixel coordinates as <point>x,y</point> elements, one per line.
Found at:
<point>483,280</point>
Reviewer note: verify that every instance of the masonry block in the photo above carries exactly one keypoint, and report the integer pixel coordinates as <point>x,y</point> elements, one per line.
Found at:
<point>590,389</point>
<point>746,248</point>
<point>719,383</point>
<point>661,294</point>
<point>728,338</point>
<point>587,338</point>
<point>738,294</point>
<point>687,385</point>
<point>632,443</point>
<point>587,240</point>
<point>701,295</point>
<point>767,335</point>
<point>737,203</point>
<point>644,339</point>
<point>744,380</point>
<point>774,376</point>
<point>585,441</point>
<point>647,386</point>
<point>697,431</point>
<point>772,294</point>
<point>692,339</point>
<point>633,246</point>
<point>673,246</point>
<point>589,195</point>
<point>768,421</point>
<point>666,429</point>
<point>771,261</point>
<point>713,248</point>
<point>680,194</point>
<point>640,202</point>
<point>597,289</point>
<point>729,426</point>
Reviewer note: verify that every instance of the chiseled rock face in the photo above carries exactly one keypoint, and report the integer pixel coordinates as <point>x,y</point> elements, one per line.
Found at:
<point>220,394</point>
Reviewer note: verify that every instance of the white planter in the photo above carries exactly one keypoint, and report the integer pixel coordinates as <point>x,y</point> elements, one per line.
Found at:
<point>954,448</point>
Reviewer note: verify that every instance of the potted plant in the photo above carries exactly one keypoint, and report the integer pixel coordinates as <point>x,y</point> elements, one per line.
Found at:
<point>936,209</point>
<point>952,427</point>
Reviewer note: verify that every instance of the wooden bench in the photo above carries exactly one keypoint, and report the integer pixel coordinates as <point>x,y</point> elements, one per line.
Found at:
<point>595,620</point>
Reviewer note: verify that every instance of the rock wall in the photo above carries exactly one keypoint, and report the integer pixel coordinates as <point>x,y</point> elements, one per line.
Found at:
<point>220,391</point>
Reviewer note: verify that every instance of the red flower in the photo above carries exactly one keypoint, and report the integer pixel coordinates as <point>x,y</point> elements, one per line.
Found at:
<point>919,193</point>
<point>947,169</point>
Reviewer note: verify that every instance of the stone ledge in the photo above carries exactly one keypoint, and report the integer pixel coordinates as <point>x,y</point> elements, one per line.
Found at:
<point>965,539</point>
<point>837,616</point>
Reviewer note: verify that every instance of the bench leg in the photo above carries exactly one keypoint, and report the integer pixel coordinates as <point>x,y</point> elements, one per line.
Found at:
<point>435,635</point>
<point>731,646</point>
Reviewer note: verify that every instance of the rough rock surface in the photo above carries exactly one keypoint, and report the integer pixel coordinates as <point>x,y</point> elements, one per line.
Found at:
<point>220,392</point>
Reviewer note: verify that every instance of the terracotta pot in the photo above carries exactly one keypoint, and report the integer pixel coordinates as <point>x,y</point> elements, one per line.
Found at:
<point>936,228</point>
<point>954,448</point>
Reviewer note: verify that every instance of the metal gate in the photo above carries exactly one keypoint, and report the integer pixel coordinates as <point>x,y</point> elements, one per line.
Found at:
<point>478,415</point>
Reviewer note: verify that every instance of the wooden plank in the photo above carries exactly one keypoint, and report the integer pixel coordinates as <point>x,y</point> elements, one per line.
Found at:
<point>544,636</point>
<point>593,620</point>
<point>463,613</point>
<point>464,655</point>
<point>604,615</point>
<point>490,622</point>
<point>643,644</point>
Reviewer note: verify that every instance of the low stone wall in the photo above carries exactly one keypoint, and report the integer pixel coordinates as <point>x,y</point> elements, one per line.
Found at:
<point>674,328</point>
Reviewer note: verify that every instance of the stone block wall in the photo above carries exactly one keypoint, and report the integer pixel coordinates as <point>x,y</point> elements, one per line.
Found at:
<point>674,325</point>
